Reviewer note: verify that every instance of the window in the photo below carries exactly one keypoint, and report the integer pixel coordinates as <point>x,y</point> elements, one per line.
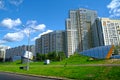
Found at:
<point>104,23</point>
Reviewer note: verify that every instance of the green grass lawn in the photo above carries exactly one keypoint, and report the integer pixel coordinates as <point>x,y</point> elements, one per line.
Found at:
<point>58,69</point>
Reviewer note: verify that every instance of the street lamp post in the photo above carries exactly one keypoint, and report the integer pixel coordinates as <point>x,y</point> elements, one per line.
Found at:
<point>28,51</point>
<point>28,61</point>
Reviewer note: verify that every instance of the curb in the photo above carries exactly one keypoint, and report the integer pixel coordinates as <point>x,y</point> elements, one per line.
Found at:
<point>39,76</point>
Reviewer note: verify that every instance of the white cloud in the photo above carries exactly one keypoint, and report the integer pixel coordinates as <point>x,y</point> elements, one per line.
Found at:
<point>6,47</point>
<point>40,27</point>
<point>46,32</point>
<point>12,37</point>
<point>114,7</point>
<point>9,23</point>
<point>2,6</point>
<point>32,27</point>
<point>16,2</point>
<point>26,31</point>
<point>33,24</point>
<point>2,42</point>
<point>4,3</point>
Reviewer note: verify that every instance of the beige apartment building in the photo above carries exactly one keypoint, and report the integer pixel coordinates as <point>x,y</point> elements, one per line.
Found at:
<point>110,31</point>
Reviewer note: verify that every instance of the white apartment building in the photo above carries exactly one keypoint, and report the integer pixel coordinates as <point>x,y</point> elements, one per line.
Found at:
<point>18,51</point>
<point>3,52</point>
<point>79,30</point>
<point>110,31</point>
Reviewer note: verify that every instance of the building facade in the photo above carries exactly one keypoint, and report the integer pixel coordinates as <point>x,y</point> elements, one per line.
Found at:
<point>18,51</point>
<point>79,30</point>
<point>3,52</point>
<point>53,41</point>
<point>97,34</point>
<point>109,30</point>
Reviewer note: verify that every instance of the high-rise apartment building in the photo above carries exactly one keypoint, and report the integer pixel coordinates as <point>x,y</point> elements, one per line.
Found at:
<point>97,34</point>
<point>109,30</point>
<point>53,41</point>
<point>79,30</point>
<point>84,30</point>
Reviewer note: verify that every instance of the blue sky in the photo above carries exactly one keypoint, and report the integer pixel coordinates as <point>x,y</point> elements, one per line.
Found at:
<point>19,17</point>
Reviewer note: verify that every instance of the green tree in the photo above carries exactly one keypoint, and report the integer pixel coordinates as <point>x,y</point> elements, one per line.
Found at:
<point>61,55</point>
<point>40,57</point>
<point>52,55</point>
<point>116,50</point>
<point>37,56</point>
<point>56,56</point>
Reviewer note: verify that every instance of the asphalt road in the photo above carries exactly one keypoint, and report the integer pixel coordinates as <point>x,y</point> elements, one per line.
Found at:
<point>9,76</point>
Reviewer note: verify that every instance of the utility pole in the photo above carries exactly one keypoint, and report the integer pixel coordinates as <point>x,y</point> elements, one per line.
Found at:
<point>28,50</point>
<point>28,61</point>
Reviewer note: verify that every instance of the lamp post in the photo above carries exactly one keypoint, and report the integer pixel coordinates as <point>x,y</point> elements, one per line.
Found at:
<point>28,54</point>
<point>28,61</point>
<point>27,50</point>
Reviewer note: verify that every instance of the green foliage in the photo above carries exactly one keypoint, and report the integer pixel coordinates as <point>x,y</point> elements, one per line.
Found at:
<point>40,57</point>
<point>78,59</point>
<point>61,56</point>
<point>54,56</point>
<point>72,70</point>
<point>116,49</point>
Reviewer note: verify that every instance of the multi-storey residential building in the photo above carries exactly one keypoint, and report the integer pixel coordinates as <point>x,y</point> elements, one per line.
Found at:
<point>78,30</point>
<point>18,51</point>
<point>38,45</point>
<point>97,34</point>
<point>3,52</point>
<point>53,41</point>
<point>109,31</point>
<point>118,31</point>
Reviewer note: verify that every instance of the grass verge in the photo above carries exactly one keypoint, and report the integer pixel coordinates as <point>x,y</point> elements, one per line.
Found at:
<point>59,69</point>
